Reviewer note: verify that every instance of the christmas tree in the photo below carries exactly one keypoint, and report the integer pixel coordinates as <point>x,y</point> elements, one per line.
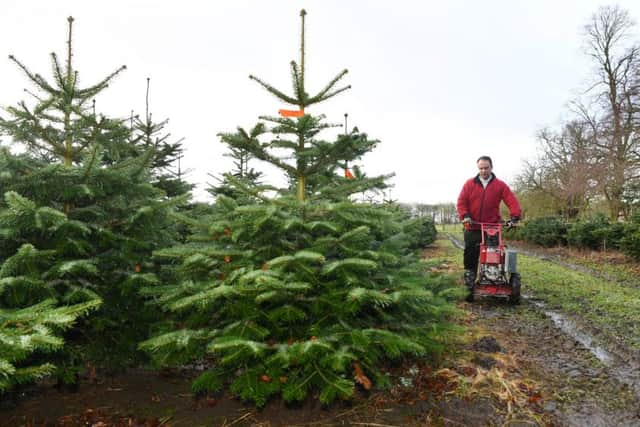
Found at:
<point>166,169</point>
<point>81,214</point>
<point>304,291</point>
<point>241,157</point>
<point>32,315</point>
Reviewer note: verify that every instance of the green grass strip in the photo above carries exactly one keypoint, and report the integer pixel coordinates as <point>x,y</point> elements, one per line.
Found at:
<point>612,308</point>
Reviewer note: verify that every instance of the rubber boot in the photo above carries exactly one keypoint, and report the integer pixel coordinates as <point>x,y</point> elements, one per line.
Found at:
<point>469,280</point>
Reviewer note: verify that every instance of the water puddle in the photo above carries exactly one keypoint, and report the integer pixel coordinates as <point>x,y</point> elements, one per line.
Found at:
<point>625,371</point>
<point>570,328</point>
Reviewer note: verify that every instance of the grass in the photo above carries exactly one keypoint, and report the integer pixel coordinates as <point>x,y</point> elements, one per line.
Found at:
<point>455,229</point>
<point>611,307</point>
<point>443,252</point>
<point>612,264</point>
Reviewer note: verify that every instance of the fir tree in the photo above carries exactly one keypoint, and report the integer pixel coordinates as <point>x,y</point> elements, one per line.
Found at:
<point>62,124</point>
<point>32,313</point>
<point>29,330</point>
<point>305,292</point>
<point>149,134</point>
<point>108,217</point>
<point>241,157</point>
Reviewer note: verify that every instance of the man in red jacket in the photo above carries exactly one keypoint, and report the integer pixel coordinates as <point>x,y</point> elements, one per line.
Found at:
<point>479,201</point>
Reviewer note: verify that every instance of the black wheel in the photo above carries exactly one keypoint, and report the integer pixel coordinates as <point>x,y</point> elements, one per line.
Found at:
<point>514,282</point>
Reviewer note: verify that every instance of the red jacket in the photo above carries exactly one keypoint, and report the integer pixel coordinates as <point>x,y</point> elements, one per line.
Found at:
<point>483,204</point>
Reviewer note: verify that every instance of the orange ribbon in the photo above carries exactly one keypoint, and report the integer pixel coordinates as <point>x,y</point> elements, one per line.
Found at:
<point>348,174</point>
<point>291,113</point>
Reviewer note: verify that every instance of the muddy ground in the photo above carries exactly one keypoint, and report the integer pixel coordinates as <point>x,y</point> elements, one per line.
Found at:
<point>583,380</point>
<point>513,366</point>
<point>576,388</point>
<point>421,397</point>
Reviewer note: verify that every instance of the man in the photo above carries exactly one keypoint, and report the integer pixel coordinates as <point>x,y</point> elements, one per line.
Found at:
<point>479,201</point>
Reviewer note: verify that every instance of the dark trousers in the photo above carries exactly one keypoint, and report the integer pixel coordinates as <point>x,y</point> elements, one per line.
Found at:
<point>472,239</point>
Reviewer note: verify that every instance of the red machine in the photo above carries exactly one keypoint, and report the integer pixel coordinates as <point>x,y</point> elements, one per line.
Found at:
<point>497,275</point>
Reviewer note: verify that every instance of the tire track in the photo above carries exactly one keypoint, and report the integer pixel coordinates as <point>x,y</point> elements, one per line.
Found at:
<point>621,364</point>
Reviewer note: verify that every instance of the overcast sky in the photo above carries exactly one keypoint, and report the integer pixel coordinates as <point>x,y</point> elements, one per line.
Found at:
<point>438,83</point>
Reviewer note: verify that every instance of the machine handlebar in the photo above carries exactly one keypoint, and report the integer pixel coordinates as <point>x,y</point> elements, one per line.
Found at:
<point>506,223</point>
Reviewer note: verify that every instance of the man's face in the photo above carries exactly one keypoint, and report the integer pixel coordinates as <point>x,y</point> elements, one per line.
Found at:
<point>484,167</point>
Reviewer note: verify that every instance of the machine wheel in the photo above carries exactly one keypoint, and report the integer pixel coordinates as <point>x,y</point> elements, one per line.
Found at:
<point>514,282</point>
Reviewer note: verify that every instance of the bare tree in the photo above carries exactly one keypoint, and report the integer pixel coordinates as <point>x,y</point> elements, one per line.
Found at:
<point>564,170</point>
<point>442,213</point>
<point>615,119</point>
<point>571,176</point>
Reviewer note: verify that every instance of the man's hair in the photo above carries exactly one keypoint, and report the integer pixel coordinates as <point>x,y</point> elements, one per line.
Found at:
<point>487,158</point>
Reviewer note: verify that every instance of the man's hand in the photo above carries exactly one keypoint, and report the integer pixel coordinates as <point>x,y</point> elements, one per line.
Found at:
<point>513,221</point>
<point>466,222</point>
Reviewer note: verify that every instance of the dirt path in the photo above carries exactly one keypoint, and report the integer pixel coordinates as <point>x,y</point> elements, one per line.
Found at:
<point>581,383</point>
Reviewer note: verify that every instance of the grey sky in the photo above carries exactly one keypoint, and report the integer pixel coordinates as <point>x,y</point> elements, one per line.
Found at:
<point>439,83</point>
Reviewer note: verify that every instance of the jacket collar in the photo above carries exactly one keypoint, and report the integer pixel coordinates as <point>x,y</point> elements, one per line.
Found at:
<point>491,178</point>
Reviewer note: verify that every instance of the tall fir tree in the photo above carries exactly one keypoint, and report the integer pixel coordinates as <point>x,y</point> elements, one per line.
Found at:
<point>167,172</point>
<point>306,292</point>
<point>108,217</point>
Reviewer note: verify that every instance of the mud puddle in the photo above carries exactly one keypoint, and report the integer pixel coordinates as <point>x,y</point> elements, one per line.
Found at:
<point>622,368</point>
<point>579,389</point>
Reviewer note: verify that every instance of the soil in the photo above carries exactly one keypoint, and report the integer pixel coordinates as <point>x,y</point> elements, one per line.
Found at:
<point>513,366</point>
<point>144,398</point>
